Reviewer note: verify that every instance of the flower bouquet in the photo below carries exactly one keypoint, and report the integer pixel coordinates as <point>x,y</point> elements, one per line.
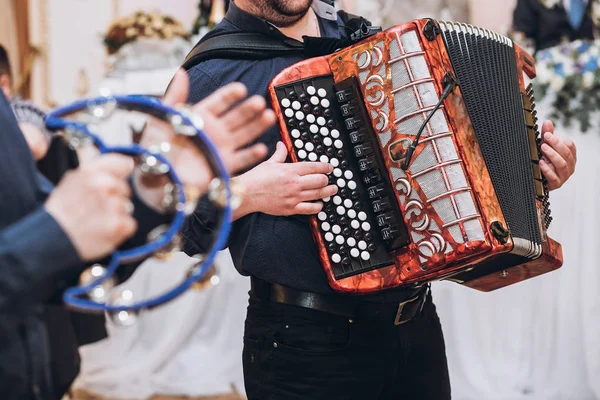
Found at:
<point>569,75</point>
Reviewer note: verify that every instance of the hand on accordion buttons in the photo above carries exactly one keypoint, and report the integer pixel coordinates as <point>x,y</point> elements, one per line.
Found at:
<point>92,205</point>
<point>231,121</point>
<point>559,157</point>
<point>275,187</point>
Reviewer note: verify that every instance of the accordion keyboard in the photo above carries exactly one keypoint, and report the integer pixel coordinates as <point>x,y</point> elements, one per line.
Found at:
<point>360,225</point>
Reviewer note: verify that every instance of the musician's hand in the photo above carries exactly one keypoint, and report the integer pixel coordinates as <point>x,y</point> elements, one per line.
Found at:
<point>92,205</point>
<point>278,188</point>
<point>560,157</point>
<point>36,140</point>
<point>231,123</point>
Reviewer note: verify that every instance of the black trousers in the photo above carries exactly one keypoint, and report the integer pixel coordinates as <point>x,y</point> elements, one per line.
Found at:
<point>293,353</point>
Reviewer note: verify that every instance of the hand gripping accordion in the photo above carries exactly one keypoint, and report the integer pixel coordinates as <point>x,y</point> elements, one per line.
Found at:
<point>96,292</point>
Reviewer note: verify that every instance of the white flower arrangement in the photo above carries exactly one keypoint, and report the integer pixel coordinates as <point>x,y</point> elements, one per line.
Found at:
<point>551,3</point>
<point>570,73</point>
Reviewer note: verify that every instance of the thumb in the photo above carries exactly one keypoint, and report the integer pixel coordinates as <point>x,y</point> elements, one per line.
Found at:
<point>280,154</point>
<point>178,89</point>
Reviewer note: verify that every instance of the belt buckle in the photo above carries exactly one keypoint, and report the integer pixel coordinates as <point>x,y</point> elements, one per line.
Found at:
<point>401,306</point>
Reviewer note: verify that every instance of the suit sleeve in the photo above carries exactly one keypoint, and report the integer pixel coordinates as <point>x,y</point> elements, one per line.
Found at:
<point>525,17</point>
<point>34,253</point>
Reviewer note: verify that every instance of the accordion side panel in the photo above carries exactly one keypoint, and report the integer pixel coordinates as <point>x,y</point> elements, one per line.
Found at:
<point>551,259</point>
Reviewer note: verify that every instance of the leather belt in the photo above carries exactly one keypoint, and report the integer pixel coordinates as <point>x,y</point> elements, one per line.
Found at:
<point>397,313</point>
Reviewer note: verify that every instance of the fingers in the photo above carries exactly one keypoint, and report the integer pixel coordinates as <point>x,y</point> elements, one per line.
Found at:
<point>554,182</point>
<point>244,113</point>
<point>254,129</point>
<point>178,89</point>
<point>280,154</point>
<point>562,167</point>
<point>560,145</point>
<point>314,181</point>
<point>307,168</point>
<point>248,157</point>
<point>548,126</point>
<point>318,194</point>
<point>308,208</point>
<point>117,165</point>
<point>222,99</point>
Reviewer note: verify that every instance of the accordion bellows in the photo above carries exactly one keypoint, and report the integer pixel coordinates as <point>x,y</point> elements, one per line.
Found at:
<point>471,205</point>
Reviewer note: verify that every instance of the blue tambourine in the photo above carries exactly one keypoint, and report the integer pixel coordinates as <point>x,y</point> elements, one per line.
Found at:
<point>95,292</point>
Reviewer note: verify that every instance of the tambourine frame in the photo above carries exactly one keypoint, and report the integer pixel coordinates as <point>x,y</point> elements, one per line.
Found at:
<point>183,123</point>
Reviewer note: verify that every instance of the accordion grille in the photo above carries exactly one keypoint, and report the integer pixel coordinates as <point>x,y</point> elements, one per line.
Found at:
<point>485,67</point>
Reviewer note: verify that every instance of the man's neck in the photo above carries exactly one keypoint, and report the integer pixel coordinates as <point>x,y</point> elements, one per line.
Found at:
<point>306,26</point>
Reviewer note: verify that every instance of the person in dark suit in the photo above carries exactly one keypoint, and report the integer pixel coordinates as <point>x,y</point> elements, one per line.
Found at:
<point>547,23</point>
<point>48,235</point>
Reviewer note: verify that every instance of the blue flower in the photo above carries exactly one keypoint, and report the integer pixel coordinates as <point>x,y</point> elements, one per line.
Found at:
<point>584,47</point>
<point>591,65</point>
<point>559,70</point>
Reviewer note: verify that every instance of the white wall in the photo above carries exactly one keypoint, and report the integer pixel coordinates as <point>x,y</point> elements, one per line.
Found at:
<point>71,32</point>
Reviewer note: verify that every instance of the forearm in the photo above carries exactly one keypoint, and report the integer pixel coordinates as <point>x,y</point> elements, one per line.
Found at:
<point>35,256</point>
<point>248,204</point>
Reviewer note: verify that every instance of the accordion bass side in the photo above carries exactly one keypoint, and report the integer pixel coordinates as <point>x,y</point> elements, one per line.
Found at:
<point>434,138</point>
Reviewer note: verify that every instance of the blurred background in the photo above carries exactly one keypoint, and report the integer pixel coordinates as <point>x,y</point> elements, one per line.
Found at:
<point>538,340</point>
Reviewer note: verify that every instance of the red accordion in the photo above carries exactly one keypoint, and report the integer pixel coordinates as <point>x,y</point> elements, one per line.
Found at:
<point>434,139</point>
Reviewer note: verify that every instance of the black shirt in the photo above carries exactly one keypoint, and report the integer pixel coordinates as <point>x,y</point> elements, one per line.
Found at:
<point>549,27</point>
<point>272,248</point>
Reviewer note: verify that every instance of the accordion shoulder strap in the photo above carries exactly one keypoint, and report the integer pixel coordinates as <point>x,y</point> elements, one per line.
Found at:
<point>257,46</point>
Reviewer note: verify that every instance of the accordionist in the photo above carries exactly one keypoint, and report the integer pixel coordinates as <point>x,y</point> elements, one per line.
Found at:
<point>304,339</point>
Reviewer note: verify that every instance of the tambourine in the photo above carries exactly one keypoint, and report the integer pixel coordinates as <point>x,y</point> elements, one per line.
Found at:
<point>97,285</point>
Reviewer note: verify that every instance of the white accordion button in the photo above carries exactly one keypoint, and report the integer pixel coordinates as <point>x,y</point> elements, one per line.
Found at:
<point>324,159</point>
<point>285,103</point>
<point>348,174</point>
<point>314,129</point>
<point>321,121</point>
<point>355,225</point>
<point>354,253</point>
<point>322,216</point>
<point>299,143</point>
<point>324,131</point>
<point>351,185</point>
<point>365,255</point>
<point>351,242</point>
<point>341,183</point>
<point>362,216</point>
<point>328,142</point>
<point>339,239</point>
<point>314,101</point>
<point>366,226</point>
<point>336,258</point>
<point>310,118</point>
<point>309,146</point>
<point>325,226</point>
<point>362,245</point>
<point>329,236</point>
<point>334,161</point>
<point>337,172</point>
<point>299,115</point>
<point>341,210</point>
<point>351,214</point>
<point>313,157</point>
<point>295,133</point>
<point>311,90</point>
<point>289,113</point>
<point>325,103</point>
<point>338,144</point>
<point>348,204</point>
<point>336,229</point>
<point>302,154</point>
<point>322,92</point>
<point>335,133</point>
<point>296,105</point>
<point>337,200</point>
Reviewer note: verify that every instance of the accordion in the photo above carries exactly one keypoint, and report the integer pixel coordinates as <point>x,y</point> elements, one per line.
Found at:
<point>432,130</point>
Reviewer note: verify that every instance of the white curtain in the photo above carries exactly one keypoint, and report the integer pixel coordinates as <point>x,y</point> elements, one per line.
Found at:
<point>539,339</point>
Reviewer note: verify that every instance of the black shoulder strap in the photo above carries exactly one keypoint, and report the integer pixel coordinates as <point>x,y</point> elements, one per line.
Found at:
<point>247,46</point>
<point>256,46</point>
